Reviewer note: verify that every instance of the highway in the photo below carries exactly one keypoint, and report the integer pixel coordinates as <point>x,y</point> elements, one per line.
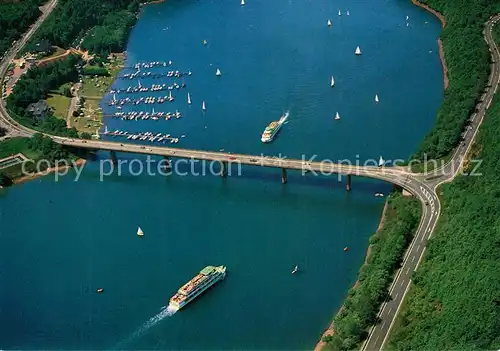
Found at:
<point>423,186</point>
<point>379,333</point>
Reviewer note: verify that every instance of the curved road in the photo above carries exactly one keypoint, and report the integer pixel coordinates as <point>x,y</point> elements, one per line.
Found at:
<point>379,333</point>
<point>423,186</point>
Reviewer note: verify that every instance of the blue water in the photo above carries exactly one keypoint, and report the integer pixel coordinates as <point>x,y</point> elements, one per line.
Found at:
<point>60,241</point>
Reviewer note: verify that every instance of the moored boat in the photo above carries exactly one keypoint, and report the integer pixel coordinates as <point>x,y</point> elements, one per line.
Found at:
<point>140,232</point>
<point>273,128</point>
<point>358,51</point>
<point>207,277</point>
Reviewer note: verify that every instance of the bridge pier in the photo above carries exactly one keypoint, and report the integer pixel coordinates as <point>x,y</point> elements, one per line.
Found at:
<point>167,164</point>
<point>112,156</point>
<point>348,184</point>
<point>284,177</point>
<point>223,170</point>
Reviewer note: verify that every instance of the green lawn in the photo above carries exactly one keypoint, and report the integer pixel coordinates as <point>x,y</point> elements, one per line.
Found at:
<point>17,145</point>
<point>60,104</point>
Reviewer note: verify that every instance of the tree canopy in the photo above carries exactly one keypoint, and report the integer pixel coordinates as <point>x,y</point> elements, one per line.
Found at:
<point>386,252</point>
<point>103,25</point>
<point>454,303</point>
<point>35,85</point>
<point>15,18</point>
<point>468,63</point>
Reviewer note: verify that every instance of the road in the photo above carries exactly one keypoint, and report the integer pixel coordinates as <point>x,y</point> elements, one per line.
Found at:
<point>423,186</point>
<point>379,333</point>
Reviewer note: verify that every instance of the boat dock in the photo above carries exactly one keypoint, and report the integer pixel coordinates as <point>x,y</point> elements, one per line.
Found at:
<point>143,136</point>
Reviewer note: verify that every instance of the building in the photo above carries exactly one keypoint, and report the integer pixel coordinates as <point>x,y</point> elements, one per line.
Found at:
<point>39,109</point>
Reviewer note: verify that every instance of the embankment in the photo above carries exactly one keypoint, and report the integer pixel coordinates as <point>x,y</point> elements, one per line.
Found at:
<point>400,219</point>
<point>440,43</point>
<point>48,171</point>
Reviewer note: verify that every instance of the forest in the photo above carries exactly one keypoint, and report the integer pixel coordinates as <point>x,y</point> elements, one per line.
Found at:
<point>15,18</point>
<point>468,62</point>
<point>455,300</point>
<point>35,85</point>
<point>102,26</point>
<point>387,247</point>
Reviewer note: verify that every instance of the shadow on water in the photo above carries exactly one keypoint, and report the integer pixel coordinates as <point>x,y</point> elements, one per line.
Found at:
<point>258,173</point>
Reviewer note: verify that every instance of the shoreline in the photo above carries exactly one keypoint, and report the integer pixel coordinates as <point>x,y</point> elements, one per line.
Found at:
<point>441,18</point>
<point>49,170</point>
<point>331,329</point>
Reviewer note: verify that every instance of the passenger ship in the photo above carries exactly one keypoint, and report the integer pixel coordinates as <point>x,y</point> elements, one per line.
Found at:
<point>273,128</point>
<point>207,277</point>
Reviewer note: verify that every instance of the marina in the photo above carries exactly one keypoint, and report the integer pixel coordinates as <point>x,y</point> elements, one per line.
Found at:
<point>143,136</point>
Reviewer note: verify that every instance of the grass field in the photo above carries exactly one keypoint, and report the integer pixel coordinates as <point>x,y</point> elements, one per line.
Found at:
<point>60,104</point>
<point>17,145</point>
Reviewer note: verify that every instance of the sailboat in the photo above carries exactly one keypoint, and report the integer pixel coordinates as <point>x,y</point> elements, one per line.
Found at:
<point>381,161</point>
<point>189,99</point>
<point>205,42</point>
<point>295,269</point>
<point>139,231</point>
<point>347,13</point>
<point>376,98</point>
<point>114,97</point>
<point>358,51</point>
<point>407,18</point>
<point>332,82</point>
<point>106,130</point>
<point>218,72</point>
<point>329,23</point>
<point>140,86</point>
<point>340,13</point>
<point>337,116</point>
<point>242,2</point>
<point>203,107</point>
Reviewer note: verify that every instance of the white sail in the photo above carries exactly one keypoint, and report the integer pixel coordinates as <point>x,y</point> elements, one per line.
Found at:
<point>203,107</point>
<point>340,13</point>
<point>358,51</point>
<point>189,99</point>
<point>218,72</point>
<point>114,97</point>
<point>347,13</point>
<point>153,111</point>
<point>337,116</point>
<point>140,86</point>
<point>329,23</point>
<point>242,2</point>
<point>106,130</point>
<point>376,98</point>
<point>139,231</point>
<point>407,18</point>
<point>381,161</point>
<point>170,95</point>
<point>332,82</point>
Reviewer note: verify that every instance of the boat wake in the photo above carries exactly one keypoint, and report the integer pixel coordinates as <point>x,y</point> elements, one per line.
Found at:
<point>164,313</point>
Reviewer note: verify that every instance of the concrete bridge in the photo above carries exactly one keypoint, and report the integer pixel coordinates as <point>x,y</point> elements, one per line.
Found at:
<point>423,186</point>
